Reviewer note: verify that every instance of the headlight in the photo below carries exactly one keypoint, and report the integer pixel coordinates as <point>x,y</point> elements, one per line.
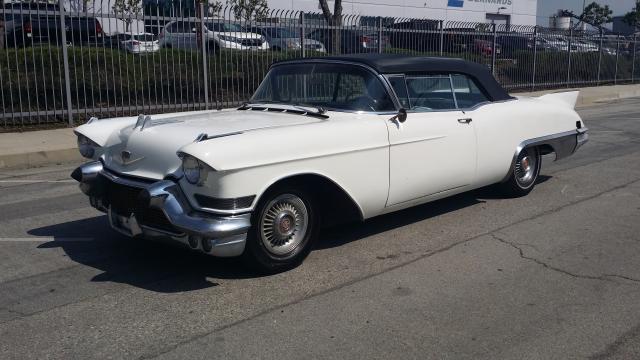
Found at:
<point>193,170</point>
<point>86,146</point>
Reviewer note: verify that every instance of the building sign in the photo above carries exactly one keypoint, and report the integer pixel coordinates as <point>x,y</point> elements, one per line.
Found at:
<point>460,3</point>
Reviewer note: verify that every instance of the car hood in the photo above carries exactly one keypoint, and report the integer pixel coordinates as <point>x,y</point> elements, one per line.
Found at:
<point>150,151</point>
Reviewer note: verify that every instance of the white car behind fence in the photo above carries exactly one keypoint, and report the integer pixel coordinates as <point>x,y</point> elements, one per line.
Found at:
<point>216,34</point>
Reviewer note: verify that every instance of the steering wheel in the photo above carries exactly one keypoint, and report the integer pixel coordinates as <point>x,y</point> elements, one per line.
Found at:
<point>371,102</point>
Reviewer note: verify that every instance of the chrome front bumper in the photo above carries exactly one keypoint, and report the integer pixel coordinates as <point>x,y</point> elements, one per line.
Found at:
<point>223,236</point>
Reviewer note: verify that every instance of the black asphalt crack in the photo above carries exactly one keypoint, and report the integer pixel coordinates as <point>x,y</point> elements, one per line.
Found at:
<point>603,277</point>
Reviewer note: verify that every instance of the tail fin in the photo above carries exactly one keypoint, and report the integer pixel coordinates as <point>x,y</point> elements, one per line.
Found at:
<point>566,98</point>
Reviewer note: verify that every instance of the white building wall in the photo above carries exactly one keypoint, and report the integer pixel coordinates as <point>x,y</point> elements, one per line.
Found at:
<point>522,12</point>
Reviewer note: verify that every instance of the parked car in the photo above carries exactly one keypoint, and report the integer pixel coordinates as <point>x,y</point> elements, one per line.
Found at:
<point>414,34</point>
<point>135,43</point>
<point>511,43</point>
<point>85,30</point>
<point>585,46</point>
<point>486,47</point>
<point>280,38</point>
<point>28,23</point>
<point>351,41</point>
<point>17,30</point>
<point>217,34</point>
<point>358,136</point>
<point>552,44</point>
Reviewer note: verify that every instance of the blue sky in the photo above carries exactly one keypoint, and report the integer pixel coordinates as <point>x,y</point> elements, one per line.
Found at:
<point>547,8</point>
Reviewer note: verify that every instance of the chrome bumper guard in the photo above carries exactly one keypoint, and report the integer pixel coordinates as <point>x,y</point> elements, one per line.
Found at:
<point>582,137</point>
<point>222,236</point>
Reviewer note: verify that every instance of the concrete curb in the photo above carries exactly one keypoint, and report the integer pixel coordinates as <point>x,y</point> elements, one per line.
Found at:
<point>594,95</point>
<point>40,158</point>
<point>59,146</point>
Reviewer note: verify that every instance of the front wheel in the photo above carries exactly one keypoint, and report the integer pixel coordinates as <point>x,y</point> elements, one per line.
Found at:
<point>524,174</point>
<point>284,227</point>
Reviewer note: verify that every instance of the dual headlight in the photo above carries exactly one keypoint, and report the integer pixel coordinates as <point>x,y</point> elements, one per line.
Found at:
<point>194,170</point>
<point>87,147</point>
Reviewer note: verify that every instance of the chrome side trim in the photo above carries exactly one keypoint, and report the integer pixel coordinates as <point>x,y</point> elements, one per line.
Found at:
<point>563,144</point>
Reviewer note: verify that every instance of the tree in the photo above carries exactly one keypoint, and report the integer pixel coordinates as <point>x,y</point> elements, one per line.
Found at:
<point>334,20</point>
<point>249,9</point>
<point>213,7</point>
<point>632,18</point>
<point>594,14</point>
<point>128,8</point>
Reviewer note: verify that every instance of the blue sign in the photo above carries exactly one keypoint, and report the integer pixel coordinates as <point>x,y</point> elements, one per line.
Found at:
<point>455,3</point>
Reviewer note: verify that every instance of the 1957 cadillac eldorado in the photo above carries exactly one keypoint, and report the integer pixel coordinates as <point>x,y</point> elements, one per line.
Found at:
<point>322,139</point>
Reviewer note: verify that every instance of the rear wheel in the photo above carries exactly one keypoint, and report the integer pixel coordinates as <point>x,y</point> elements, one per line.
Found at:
<point>525,173</point>
<point>284,227</point>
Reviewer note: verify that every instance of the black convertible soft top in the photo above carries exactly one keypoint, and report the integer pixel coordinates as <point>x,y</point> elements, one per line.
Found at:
<point>405,64</point>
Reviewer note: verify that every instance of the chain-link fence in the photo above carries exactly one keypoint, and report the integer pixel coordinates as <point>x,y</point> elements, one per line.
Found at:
<point>63,65</point>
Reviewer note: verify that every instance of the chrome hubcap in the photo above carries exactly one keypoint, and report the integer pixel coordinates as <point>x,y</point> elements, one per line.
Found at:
<point>283,224</point>
<point>526,168</point>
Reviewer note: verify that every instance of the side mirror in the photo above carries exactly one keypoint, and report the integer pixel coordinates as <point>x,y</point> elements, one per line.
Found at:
<point>402,115</point>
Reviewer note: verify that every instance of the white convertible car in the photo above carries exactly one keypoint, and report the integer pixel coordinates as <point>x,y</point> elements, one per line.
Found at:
<point>322,140</point>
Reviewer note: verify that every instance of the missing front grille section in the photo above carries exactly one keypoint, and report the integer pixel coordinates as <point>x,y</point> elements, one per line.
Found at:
<point>224,204</point>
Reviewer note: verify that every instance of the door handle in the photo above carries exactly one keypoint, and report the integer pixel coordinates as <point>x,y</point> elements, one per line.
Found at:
<point>465,120</point>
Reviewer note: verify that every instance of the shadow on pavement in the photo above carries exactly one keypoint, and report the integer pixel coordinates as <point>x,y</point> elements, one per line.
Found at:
<point>169,268</point>
<point>147,264</point>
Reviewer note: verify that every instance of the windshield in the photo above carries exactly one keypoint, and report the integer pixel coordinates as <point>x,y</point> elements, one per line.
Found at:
<point>280,33</point>
<point>224,27</point>
<point>331,86</point>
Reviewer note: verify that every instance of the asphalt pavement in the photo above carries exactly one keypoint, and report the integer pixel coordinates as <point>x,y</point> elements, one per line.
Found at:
<point>554,275</point>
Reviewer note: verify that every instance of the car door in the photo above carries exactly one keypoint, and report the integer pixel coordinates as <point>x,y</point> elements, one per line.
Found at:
<point>434,150</point>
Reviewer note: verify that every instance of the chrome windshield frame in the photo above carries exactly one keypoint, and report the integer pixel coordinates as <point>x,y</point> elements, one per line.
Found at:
<point>383,80</point>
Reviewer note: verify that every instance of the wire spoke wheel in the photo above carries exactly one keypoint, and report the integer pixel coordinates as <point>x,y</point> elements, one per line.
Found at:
<point>526,168</point>
<point>283,224</point>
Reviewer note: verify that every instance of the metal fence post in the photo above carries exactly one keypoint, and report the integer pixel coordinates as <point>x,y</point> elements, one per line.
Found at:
<point>493,49</point>
<point>615,78</point>
<point>535,57</point>
<point>600,57</point>
<point>379,34</point>
<point>441,37</point>
<point>203,43</point>
<point>569,52</point>
<point>65,60</point>
<point>302,33</point>
<point>633,62</point>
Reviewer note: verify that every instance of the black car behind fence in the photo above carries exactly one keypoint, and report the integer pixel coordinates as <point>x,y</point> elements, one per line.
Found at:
<point>63,66</point>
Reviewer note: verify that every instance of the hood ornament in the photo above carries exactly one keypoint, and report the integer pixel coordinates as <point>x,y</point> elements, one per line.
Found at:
<point>125,156</point>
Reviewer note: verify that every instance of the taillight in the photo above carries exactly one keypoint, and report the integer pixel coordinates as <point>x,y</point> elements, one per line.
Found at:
<point>161,35</point>
<point>98,28</point>
<point>26,27</point>
<point>135,43</point>
<point>366,39</point>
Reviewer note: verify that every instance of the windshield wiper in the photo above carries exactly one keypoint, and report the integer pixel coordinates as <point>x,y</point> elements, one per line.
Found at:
<point>319,109</point>
<point>300,109</point>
